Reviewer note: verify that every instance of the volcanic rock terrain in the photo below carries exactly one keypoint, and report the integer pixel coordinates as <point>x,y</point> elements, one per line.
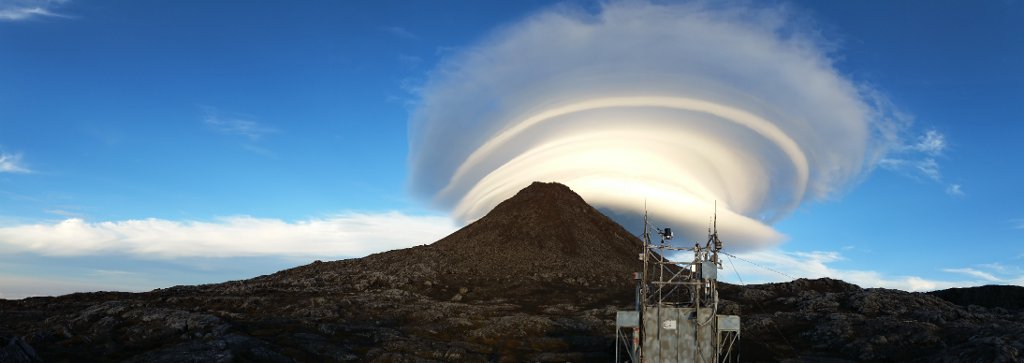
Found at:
<point>537,279</point>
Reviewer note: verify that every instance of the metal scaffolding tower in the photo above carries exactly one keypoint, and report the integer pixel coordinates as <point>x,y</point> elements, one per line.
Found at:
<point>676,318</point>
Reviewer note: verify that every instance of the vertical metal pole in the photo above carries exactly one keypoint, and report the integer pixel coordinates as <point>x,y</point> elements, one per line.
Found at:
<point>618,332</point>
<point>643,286</point>
<point>661,269</point>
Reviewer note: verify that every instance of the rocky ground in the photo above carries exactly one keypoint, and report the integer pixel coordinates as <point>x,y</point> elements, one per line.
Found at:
<point>830,320</point>
<point>537,279</point>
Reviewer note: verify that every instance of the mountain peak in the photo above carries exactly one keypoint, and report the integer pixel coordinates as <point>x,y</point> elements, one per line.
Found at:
<point>545,226</point>
<point>548,190</point>
<point>544,241</point>
<point>539,197</point>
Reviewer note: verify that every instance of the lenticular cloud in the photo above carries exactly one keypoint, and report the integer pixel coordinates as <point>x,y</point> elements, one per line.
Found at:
<point>673,106</point>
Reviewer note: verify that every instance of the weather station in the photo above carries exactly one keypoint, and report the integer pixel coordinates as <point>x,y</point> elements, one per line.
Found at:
<point>676,316</point>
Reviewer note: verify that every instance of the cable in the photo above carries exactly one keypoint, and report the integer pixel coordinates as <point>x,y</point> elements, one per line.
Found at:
<point>734,269</point>
<point>755,264</point>
<point>758,306</point>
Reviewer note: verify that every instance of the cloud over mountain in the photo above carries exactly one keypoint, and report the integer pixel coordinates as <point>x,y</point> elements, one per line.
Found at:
<point>672,106</point>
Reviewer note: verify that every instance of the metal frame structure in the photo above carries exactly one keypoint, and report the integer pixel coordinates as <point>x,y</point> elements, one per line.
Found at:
<point>676,318</point>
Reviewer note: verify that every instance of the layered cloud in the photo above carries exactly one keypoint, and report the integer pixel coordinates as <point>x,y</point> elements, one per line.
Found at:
<point>672,107</point>
<point>345,235</point>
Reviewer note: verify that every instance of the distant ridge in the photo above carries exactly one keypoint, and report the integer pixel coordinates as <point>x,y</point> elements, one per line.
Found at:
<point>990,296</point>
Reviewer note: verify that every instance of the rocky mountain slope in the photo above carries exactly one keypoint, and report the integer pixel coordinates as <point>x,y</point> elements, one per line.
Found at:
<point>537,279</point>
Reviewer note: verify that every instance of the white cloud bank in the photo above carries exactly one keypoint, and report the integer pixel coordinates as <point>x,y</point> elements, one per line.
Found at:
<point>345,235</point>
<point>775,265</point>
<point>679,105</point>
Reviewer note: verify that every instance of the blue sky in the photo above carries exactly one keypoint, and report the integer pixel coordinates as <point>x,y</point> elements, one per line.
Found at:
<point>149,144</point>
